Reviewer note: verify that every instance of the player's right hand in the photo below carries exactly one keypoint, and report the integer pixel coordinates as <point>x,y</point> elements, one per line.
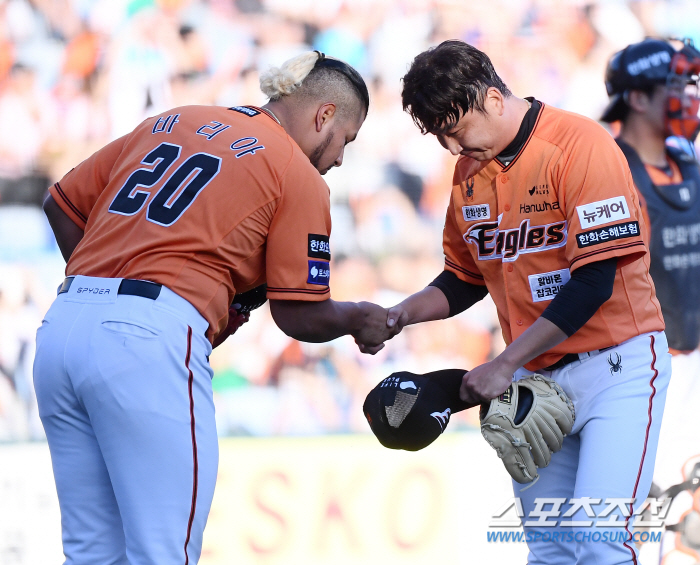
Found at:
<point>486,382</point>
<point>397,317</point>
<point>369,350</point>
<point>375,330</point>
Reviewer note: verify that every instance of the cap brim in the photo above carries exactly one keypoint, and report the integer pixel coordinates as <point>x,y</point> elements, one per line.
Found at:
<point>614,110</point>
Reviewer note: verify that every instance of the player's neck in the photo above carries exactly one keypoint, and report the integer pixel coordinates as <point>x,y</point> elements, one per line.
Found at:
<point>277,111</point>
<point>295,119</point>
<point>646,141</point>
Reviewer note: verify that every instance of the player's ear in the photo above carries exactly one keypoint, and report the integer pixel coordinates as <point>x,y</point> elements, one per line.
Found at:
<point>324,115</point>
<point>494,101</point>
<point>638,100</point>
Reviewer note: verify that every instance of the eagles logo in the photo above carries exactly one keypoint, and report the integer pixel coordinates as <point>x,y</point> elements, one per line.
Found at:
<point>468,186</point>
<point>507,245</point>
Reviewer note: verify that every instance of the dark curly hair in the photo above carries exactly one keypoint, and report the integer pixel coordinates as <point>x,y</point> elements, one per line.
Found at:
<point>445,81</point>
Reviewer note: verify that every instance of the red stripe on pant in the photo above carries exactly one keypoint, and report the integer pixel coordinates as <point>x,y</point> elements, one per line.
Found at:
<point>190,382</point>
<point>646,441</point>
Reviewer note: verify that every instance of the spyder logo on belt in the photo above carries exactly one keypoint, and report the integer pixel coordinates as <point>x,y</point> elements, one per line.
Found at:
<point>492,243</point>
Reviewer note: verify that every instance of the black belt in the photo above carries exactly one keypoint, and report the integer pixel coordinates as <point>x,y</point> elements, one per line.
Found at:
<point>570,358</point>
<point>132,287</point>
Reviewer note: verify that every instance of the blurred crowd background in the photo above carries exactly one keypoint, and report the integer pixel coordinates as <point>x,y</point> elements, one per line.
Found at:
<point>75,74</point>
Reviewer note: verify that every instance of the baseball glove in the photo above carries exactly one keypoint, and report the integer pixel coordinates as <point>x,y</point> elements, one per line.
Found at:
<point>526,424</point>
<point>250,300</point>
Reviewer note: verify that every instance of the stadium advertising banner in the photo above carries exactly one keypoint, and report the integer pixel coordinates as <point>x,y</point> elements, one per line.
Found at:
<point>330,499</point>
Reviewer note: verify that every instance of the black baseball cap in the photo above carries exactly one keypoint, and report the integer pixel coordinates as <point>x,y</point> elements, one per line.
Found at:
<point>409,411</point>
<point>637,67</point>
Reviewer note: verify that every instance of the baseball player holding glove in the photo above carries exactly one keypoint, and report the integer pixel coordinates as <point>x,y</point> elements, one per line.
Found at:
<point>545,218</point>
<point>164,231</point>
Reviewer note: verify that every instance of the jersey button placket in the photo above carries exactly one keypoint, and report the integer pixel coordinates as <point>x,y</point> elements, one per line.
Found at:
<point>504,180</point>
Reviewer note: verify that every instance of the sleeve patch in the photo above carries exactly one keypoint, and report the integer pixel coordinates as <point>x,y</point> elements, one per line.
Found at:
<point>319,273</point>
<point>601,235</point>
<point>319,246</point>
<point>603,212</point>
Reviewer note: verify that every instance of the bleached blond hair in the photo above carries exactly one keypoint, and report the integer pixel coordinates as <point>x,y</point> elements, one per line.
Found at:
<point>281,81</point>
<point>313,76</point>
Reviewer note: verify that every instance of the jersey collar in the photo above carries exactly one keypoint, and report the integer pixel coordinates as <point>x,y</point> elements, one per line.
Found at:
<point>510,154</point>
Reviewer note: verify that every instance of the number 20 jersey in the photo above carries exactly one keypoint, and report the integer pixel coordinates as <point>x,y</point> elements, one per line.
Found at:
<point>566,200</point>
<point>207,201</point>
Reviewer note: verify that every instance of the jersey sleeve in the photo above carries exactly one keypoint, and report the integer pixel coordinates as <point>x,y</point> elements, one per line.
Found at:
<point>601,202</point>
<point>297,258</point>
<point>77,192</point>
<point>458,259</point>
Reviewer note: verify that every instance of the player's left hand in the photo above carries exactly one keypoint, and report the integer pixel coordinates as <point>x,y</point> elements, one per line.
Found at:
<point>486,381</point>
<point>235,321</point>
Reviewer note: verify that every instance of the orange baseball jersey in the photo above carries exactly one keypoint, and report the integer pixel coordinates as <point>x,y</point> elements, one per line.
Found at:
<point>567,199</point>
<point>660,178</point>
<point>206,201</point>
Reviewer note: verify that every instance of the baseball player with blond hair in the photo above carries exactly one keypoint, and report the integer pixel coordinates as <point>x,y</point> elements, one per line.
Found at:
<point>163,230</point>
<point>545,218</point>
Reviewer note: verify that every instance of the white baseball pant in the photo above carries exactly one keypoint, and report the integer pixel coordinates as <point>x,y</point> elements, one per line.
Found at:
<point>124,390</point>
<point>619,397</point>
